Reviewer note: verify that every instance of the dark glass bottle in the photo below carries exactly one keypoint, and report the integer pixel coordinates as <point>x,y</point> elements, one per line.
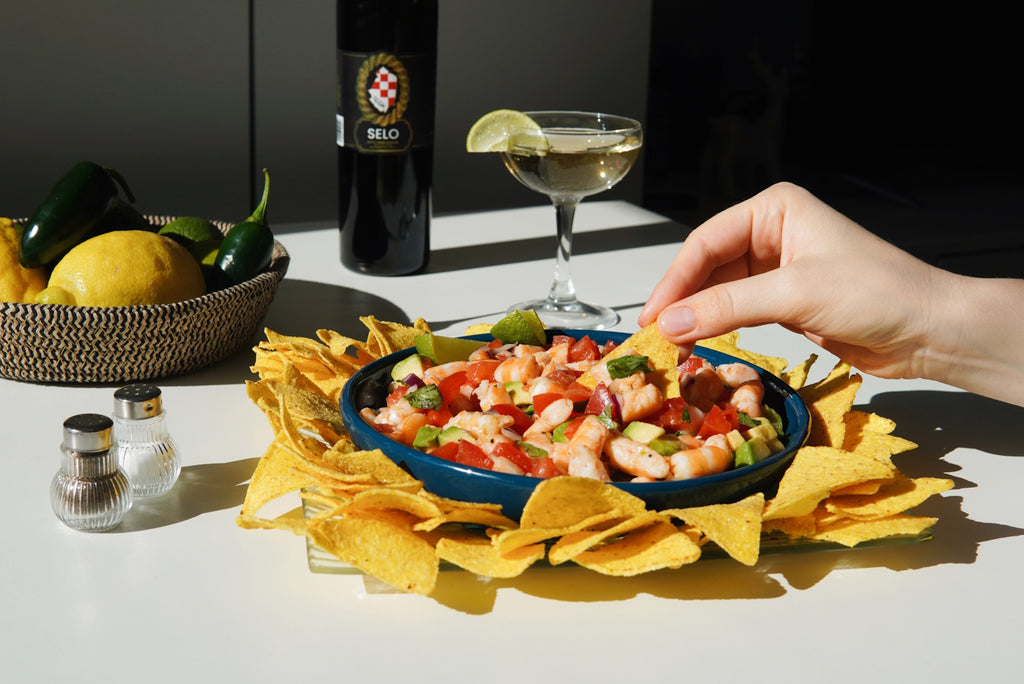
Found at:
<point>387,57</point>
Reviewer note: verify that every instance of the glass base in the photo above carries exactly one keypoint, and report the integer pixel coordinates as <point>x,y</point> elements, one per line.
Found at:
<point>574,314</point>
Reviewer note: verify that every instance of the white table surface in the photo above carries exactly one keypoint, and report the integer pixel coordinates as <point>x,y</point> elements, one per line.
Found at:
<point>180,593</point>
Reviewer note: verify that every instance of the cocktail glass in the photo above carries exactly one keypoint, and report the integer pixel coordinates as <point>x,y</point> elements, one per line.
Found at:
<point>573,155</point>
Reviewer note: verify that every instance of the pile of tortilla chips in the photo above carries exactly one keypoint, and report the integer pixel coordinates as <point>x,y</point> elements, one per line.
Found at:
<point>841,487</point>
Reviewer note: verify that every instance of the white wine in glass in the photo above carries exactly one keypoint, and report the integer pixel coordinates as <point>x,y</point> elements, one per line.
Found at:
<point>571,156</point>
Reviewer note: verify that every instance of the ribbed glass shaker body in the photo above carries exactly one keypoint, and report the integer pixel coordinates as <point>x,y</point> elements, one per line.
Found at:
<point>89,493</point>
<point>145,450</point>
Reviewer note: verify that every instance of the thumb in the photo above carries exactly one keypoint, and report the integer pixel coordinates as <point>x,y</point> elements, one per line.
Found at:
<point>723,308</point>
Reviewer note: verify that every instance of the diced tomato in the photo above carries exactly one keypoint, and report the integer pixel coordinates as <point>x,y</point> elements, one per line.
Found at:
<point>715,423</point>
<point>577,393</point>
<point>452,386</point>
<point>731,414</point>
<point>692,364</point>
<point>563,377</point>
<point>472,455</point>
<point>494,344</point>
<point>544,467</point>
<point>439,418</point>
<point>542,401</point>
<point>676,416</point>
<point>446,451</point>
<point>478,371</point>
<point>515,454</point>
<point>397,394</point>
<point>600,399</point>
<point>573,425</point>
<point>608,347</point>
<point>585,349</point>
<point>521,420</point>
<point>562,339</point>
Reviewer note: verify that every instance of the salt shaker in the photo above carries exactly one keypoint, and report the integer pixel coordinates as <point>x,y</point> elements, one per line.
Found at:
<point>145,450</point>
<point>89,492</point>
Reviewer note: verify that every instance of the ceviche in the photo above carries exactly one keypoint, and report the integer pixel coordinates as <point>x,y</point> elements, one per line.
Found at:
<point>572,407</point>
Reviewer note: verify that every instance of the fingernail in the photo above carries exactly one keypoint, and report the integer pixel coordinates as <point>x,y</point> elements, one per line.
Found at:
<point>677,321</point>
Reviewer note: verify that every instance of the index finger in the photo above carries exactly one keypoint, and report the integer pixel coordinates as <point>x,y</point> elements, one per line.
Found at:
<point>744,237</point>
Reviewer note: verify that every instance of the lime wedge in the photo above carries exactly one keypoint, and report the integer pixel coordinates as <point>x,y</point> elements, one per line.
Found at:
<point>491,131</point>
<point>441,349</point>
<point>524,327</point>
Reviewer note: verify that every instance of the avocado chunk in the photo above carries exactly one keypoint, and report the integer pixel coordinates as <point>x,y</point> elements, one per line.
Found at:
<point>426,437</point>
<point>750,452</point>
<point>666,445</point>
<point>642,432</point>
<point>451,434</point>
<point>410,365</point>
<point>520,397</point>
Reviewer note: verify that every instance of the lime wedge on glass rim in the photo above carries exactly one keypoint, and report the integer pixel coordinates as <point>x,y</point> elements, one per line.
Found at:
<point>492,131</point>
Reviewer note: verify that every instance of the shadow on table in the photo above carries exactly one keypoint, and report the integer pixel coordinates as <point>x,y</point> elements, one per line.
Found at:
<point>543,248</point>
<point>200,489</point>
<point>939,422</point>
<point>301,307</point>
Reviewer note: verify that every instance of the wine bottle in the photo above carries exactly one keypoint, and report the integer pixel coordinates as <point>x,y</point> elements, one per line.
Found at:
<point>387,57</point>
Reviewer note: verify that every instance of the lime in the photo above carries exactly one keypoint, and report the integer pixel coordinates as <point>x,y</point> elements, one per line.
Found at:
<point>524,327</point>
<point>491,131</point>
<point>188,230</point>
<point>441,349</point>
<point>127,268</point>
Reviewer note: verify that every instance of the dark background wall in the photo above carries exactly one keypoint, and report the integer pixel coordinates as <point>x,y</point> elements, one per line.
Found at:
<point>904,115</point>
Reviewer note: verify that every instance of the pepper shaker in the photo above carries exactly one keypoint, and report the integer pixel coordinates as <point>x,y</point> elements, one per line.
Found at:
<point>145,450</point>
<point>89,493</point>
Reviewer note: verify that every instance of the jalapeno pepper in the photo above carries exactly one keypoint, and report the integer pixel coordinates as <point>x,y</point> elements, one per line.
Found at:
<point>76,209</point>
<point>247,247</point>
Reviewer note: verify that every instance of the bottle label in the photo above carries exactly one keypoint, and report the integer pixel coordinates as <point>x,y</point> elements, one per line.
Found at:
<point>378,107</point>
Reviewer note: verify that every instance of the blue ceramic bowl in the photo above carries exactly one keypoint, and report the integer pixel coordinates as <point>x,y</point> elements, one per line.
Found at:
<point>368,387</point>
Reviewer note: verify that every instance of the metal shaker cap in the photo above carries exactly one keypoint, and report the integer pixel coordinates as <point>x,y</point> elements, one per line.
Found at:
<point>137,401</point>
<point>88,432</point>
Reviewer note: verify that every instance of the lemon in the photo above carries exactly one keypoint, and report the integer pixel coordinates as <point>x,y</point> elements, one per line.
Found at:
<point>54,295</point>
<point>524,327</point>
<point>491,131</point>
<point>17,283</point>
<point>128,268</point>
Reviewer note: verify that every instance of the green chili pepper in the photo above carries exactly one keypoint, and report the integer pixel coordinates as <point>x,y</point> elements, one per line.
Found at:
<point>78,207</point>
<point>247,247</point>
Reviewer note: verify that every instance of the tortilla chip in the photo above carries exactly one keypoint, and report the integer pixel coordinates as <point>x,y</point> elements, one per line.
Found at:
<point>812,476</point>
<point>663,358</point>
<point>735,527</point>
<point>894,496</point>
<point>646,549</point>
<point>474,552</point>
<point>562,502</point>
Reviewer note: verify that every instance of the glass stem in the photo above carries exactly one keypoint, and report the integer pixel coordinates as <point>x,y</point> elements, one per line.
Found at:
<point>563,291</point>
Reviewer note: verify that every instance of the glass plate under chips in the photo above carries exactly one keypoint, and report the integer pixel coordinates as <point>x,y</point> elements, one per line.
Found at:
<point>324,562</point>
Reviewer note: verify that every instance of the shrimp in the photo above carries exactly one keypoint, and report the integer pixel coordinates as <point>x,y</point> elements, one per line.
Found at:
<point>400,421</point>
<point>544,385</point>
<point>630,382</point>
<point>637,403</point>
<point>517,368</point>
<point>553,415</point>
<point>585,449</point>
<point>435,374</point>
<point>491,393</point>
<point>481,426</point>
<point>714,457</point>
<point>636,458</point>
<point>703,387</point>
<point>747,388</point>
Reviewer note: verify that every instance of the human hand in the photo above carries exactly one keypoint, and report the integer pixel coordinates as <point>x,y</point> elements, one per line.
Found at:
<point>785,257</point>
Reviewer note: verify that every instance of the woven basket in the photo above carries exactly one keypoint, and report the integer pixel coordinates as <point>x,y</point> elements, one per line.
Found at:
<point>83,344</point>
